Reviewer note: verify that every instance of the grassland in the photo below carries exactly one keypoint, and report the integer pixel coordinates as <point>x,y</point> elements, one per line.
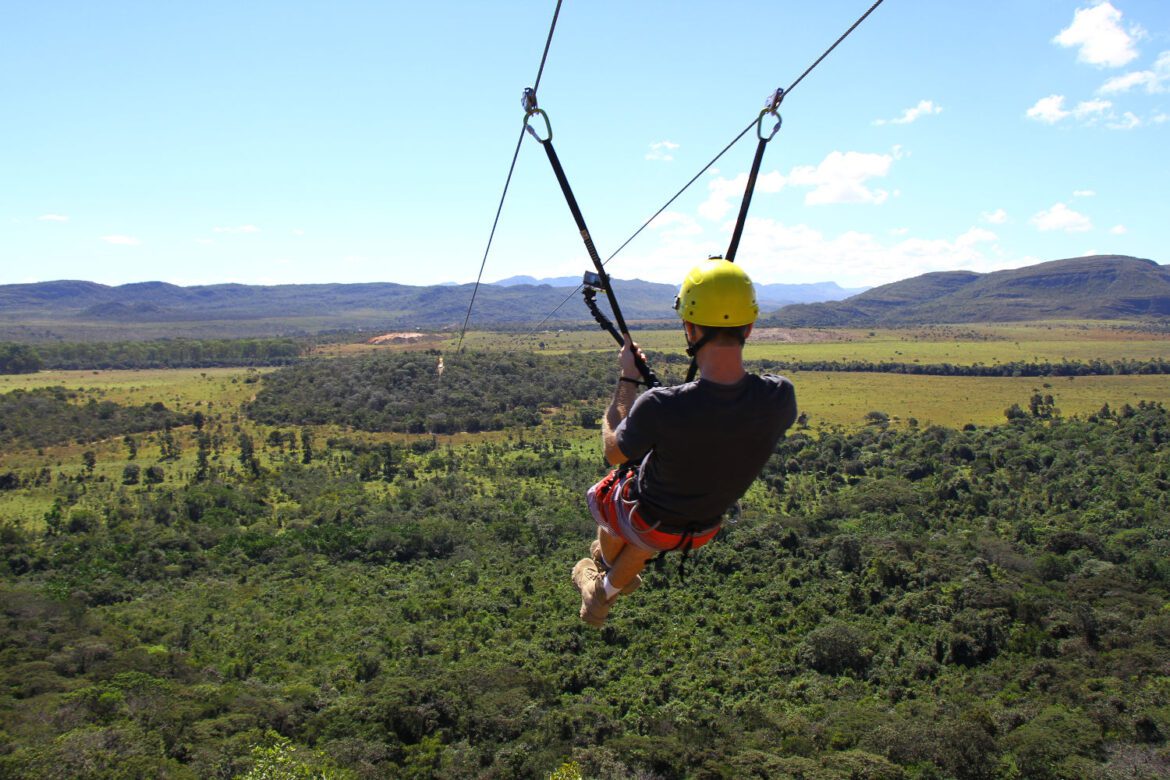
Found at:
<point>828,399</point>
<point>845,399</point>
<point>959,345</point>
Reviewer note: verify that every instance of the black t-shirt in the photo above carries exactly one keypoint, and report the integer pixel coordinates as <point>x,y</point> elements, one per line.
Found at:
<point>702,444</point>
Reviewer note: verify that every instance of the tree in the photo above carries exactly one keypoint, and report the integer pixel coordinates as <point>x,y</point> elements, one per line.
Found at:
<point>306,446</point>
<point>19,359</point>
<point>248,454</point>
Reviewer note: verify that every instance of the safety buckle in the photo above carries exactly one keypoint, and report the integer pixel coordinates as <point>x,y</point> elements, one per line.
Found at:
<point>592,281</point>
<point>770,105</point>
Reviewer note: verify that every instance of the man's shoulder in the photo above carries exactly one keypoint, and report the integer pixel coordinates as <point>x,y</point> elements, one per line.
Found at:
<point>772,381</point>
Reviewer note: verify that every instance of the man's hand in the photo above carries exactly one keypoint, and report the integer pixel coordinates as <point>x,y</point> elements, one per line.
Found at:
<point>628,363</point>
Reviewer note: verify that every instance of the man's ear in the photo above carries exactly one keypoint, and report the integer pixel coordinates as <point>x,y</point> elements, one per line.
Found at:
<point>747,330</point>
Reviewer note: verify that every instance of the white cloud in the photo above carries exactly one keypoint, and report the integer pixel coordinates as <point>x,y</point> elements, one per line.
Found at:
<point>723,192</point>
<point>661,150</point>
<point>240,229</point>
<point>1154,82</point>
<point>1050,110</point>
<point>997,217</point>
<point>1119,230</point>
<point>204,242</point>
<point>1084,193</point>
<point>1098,34</point>
<point>122,240</point>
<point>924,108</point>
<point>1128,121</point>
<point>1159,119</point>
<point>776,252</point>
<point>1091,109</point>
<point>902,231</point>
<point>298,232</point>
<point>52,218</point>
<point>1130,80</point>
<point>1061,217</point>
<point>842,177</point>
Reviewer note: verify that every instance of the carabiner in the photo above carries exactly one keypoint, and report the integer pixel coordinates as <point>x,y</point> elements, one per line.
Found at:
<point>547,127</point>
<point>760,124</point>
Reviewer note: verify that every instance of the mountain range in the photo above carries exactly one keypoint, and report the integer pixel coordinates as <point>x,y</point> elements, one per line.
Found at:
<point>1098,287</point>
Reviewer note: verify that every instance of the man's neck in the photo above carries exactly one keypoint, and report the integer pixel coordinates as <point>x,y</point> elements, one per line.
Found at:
<point>721,365</point>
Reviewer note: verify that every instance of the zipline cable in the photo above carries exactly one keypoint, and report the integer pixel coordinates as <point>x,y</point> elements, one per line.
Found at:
<point>715,159</point>
<point>508,180</point>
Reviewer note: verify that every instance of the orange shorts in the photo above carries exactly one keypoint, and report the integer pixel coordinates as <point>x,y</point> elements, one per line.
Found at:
<point>613,509</point>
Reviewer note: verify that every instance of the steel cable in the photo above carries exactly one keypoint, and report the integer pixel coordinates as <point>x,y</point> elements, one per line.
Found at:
<point>507,181</point>
<point>714,160</point>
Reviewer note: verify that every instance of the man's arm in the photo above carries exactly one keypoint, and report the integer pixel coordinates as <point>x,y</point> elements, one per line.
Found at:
<point>623,398</point>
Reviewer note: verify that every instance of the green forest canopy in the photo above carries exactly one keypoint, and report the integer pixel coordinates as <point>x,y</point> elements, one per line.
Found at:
<point>918,603</point>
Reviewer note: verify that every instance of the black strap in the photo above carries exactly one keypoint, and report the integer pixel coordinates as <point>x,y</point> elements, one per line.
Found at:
<point>579,218</point>
<point>769,110</point>
<point>590,294</point>
<point>747,200</point>
<point>693,351</point>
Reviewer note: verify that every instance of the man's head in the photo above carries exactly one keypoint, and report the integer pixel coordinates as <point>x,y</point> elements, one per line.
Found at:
<point>718,296</point>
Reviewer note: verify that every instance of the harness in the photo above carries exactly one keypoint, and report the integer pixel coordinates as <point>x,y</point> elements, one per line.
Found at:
<point>625,479</point>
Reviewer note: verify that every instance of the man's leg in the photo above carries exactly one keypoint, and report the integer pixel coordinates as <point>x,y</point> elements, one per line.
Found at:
<point>603,560</point>
<point>611,546</point>
<point>628,565</point>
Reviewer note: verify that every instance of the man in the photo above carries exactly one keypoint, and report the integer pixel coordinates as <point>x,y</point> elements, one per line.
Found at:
<point>697,446</point>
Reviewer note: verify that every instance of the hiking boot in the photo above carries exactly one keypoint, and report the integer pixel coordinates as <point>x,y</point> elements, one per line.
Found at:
<point>591,583</point>
<point>603,567</point>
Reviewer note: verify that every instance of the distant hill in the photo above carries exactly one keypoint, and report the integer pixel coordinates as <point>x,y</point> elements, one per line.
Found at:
<point>74,310</point>
<point>1103,287</point>
<point>771,296</point>
<point>1097,287</point>
<point>80,310</point>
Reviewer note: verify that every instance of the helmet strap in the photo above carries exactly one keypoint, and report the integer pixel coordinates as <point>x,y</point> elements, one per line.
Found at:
<point>693,350</point>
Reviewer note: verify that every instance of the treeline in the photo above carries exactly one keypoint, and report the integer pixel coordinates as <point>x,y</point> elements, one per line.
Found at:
<point>52,415</point>
<point>888,604</point>
<point>424,392</point>
<point>1063,368</point>
<point>165,353</point>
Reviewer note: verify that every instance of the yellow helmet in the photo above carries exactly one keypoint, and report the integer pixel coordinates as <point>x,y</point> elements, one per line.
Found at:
<point>717,293</point>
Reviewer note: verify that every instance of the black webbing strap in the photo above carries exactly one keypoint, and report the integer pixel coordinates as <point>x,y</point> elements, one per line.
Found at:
<point>579,218</point>
<point>770,107</point>
<point>747,200</point>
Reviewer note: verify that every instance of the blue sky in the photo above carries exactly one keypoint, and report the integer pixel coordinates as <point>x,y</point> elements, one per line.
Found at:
<point>298,142</point>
